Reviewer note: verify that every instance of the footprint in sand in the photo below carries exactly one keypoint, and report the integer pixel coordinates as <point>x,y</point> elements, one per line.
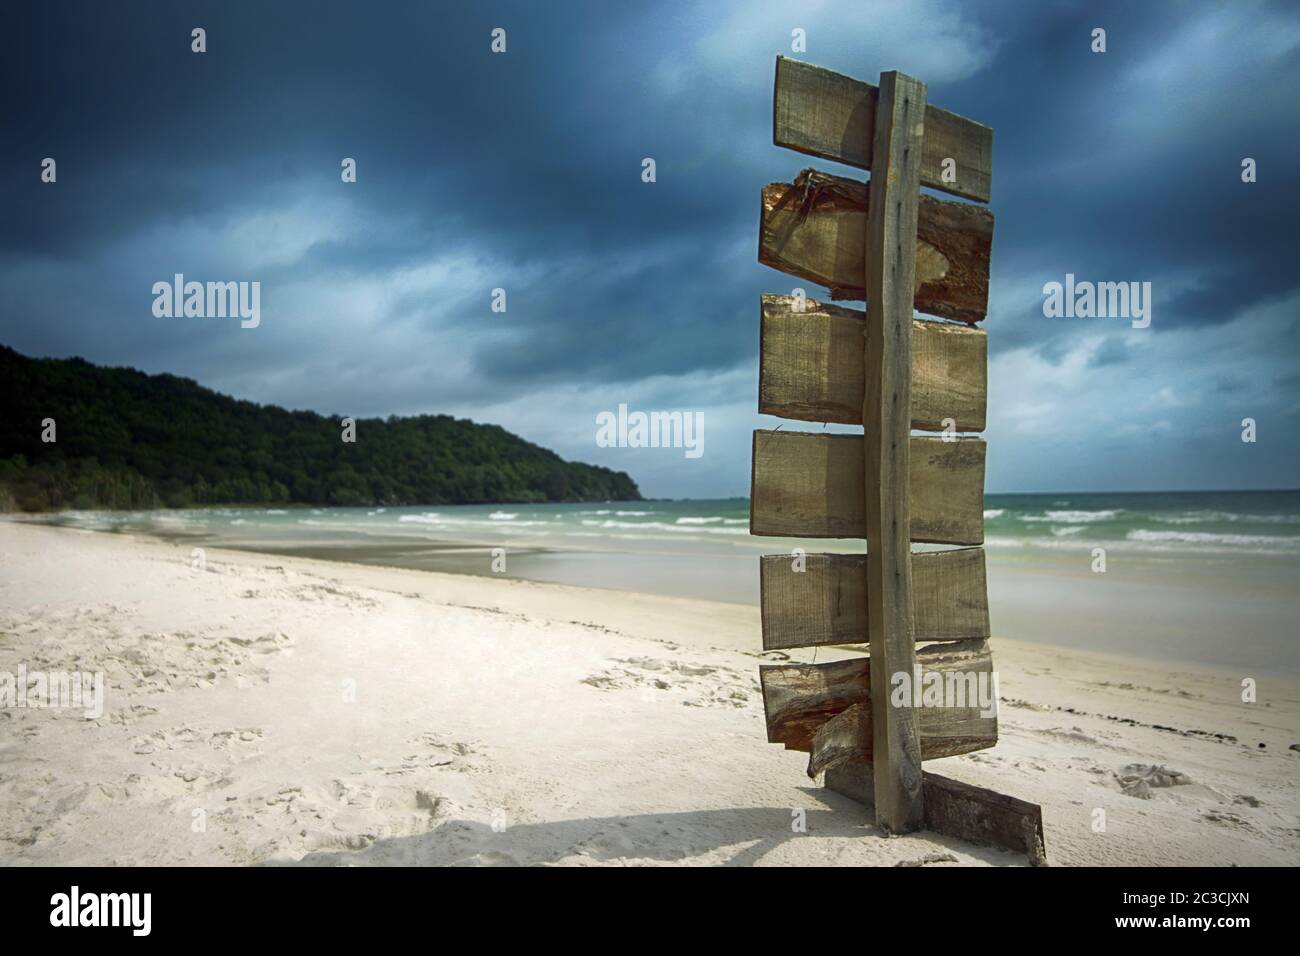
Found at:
<point>701,685</point>
<point>144,662</point>
<point>131,714</point>
<point>347,816</point>
<point>1225,818</point>
<point>326,594</point>
<point>1138,779</point>
<point>449,754</point>
<point>438,805</point>
<point>161,740</point>
<point>241,736</point>
<point>169,782</point>
<point>268,643</point>
<point>177,738</point>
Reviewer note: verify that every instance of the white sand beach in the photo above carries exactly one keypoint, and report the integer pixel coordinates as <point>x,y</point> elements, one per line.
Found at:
<point>279,710</point>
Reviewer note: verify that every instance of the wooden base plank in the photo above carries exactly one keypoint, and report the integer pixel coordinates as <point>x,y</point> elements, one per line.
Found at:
<point>959,810</point>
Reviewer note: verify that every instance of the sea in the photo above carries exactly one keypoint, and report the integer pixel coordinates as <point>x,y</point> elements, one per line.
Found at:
<point>703,549</point>
<point>1184,578</point>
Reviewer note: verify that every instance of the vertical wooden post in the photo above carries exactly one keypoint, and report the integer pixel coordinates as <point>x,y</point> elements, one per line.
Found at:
<point>886,419</point>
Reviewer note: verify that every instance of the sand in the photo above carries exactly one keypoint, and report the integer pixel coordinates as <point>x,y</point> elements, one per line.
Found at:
<point>275,710</point>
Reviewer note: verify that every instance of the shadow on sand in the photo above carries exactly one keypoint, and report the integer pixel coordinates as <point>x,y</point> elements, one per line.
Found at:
<point>749,833</point>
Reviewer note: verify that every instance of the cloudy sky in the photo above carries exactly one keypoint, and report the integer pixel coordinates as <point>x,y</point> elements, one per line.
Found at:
<point>522,171</point>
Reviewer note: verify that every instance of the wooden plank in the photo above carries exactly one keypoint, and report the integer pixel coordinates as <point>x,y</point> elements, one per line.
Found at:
<point>832,116</point>
<point>810,367</point>
<point>849,737</point>
<point>815,228</point>
<point>984,816</point>
<point>949,376</point>
<point>826,602</point>
<point>809,485</point>
<point>798,699</point>
<point>806,485</point>
<point>943,732</point>
<point>950,594</point>
<point>890,257</point>
<point>960,810</point>
<point>947,490</point>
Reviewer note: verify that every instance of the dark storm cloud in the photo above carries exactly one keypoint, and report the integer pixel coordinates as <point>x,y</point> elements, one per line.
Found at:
<point>531,156</point>
<point>523,171</point>
<point>1113,351</point>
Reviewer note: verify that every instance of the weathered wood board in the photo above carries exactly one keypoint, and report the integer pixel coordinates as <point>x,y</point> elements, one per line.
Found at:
<point>816,229</point>
<point>890,252</point>
<point>848,737</point>
<point>959,810</point>
<point>947,490</point>
<point>826,602</point>
<point>944,732</point>
<point>799,699</point>
<point>810,367</point>
<point>826,114</point>
<point>809,485</point>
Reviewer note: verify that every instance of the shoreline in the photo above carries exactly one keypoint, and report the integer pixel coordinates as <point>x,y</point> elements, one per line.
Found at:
<point>1220,612</point>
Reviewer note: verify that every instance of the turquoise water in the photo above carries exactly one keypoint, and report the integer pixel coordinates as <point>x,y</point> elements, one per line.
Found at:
<point>1257,524</point>
<point>1201,578</point>
<point>1238,522</point>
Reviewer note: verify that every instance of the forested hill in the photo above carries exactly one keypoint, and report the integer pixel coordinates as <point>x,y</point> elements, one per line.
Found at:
<point>129,440</point>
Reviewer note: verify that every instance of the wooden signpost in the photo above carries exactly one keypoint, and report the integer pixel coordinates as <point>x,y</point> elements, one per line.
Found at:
<point>923,615</point>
